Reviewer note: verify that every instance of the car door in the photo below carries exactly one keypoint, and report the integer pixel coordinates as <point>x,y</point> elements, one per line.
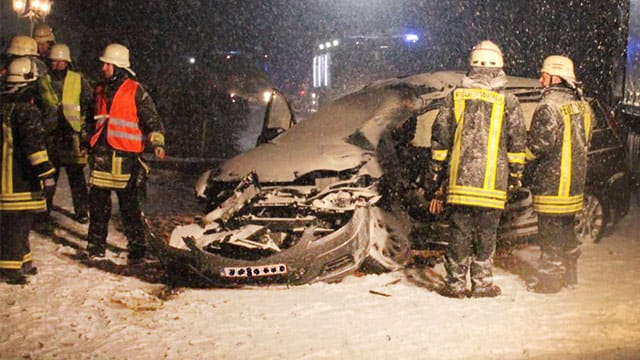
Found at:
<point>278,117</point>
<point>607,169</point>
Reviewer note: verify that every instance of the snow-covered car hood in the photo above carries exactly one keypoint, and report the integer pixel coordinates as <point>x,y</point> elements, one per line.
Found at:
<point>326,140</point>
<point>345,133</point>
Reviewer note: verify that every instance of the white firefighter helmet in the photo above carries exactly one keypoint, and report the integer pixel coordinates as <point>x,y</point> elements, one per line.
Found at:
<point>22,45</point>
<point>21,70</point>
<point>60,52</point>
<point>43,32</point>
<point>560,66</point>
<point>117,55</point>
<point>486,54</point>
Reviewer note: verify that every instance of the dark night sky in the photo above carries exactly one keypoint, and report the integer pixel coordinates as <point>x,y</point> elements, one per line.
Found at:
<point>289,30</point>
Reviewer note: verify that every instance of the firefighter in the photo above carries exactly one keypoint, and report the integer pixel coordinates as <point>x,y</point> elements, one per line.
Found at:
<point>21,45</point>
<point>557,146</point>
<point>43,34</point>
<point>479,137</point>
<point>67,98</point>
<point>26,170</point>
<point>124,116</point>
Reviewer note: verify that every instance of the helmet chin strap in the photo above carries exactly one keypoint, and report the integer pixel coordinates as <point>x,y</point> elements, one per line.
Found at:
<point>117,74</point>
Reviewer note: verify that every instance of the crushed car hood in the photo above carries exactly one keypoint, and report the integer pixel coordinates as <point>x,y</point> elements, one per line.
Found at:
<point>341,136</point>
<point>345,133</point>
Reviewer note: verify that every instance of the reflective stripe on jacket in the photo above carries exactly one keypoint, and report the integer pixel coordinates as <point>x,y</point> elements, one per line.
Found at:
<point>24,159</point>
<point>71,91</point>
<point>111,175</point>
<point>123,132</point>
<point>558,141</point>
<point>482,134</point>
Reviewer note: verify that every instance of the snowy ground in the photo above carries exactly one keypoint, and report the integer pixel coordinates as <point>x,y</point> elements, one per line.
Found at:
<point>75,308</point>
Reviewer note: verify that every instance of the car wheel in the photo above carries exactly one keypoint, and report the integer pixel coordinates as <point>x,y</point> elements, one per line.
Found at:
<point>389,244</point>
<point>591,221</point>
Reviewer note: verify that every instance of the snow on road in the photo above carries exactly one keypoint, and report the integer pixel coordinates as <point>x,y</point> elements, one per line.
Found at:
<point>75,308</point>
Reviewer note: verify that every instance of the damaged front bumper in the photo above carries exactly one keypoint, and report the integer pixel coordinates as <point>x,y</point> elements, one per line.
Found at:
<point>288,235</point>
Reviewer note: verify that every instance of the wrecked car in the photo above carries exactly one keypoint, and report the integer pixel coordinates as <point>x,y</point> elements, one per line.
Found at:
<point>339,192</point>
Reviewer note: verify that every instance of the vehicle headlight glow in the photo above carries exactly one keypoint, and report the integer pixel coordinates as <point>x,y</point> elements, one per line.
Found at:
<point>412,38</point>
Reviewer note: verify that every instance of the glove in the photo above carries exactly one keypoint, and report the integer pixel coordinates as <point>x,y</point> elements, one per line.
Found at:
<point>158,152</point>
<point>437,203</point>
<point>48,187</point>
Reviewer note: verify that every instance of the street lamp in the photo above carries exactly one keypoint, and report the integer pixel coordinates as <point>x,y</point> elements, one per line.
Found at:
<point>32,8</point>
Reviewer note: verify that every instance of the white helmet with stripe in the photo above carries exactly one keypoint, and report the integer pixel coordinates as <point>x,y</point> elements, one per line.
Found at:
<point>486,54</point>
<point>560,66</point>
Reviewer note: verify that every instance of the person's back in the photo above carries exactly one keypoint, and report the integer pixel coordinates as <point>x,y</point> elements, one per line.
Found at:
<point>563,111</point>
<point>480,155</point>
<point>557,151</point>
<point>25,166</point>
<point>479,137</point>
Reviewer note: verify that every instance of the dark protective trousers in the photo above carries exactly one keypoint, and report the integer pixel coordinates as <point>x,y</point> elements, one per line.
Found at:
<point>557,235</point>
<point>14,240</point>
<point>100,214</point>
<point>559,252</point>
<point>78,185</point>
<point>472,242</point>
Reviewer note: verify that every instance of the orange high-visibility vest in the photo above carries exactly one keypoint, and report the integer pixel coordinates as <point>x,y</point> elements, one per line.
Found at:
<point>123,132</point>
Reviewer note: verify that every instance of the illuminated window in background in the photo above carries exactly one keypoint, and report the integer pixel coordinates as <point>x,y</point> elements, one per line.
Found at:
<point>321,70</point>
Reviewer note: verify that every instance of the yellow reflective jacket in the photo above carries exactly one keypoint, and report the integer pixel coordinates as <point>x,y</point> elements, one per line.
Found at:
<point>71,90</point>
<point>557,145</point>
<point>482,134</point>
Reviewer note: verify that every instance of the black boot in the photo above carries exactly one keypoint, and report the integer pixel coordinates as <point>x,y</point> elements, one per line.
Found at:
<point>453,291</point>
<point>492,290</point>
<point>29,269</point>
<point>456,279</point>
<point>482,279</point>
<point>13,277</point>
<point>551,275</point>
<point>96,251</point>
<point>136,255</point>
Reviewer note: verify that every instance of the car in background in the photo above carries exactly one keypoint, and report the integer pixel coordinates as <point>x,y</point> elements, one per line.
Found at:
<point>340,191</point>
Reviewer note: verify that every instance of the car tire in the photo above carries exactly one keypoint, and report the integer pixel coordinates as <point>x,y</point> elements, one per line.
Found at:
<point>592,220</point>
<point>390,252</point>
